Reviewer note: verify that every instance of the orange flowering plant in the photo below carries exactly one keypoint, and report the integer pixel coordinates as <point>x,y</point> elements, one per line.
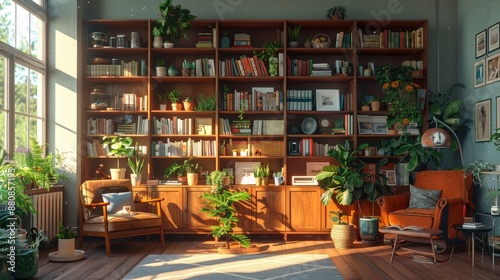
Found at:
<point>401,92</point>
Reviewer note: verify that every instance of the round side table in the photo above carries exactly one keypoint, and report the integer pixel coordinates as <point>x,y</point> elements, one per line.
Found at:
<point>469,234</point>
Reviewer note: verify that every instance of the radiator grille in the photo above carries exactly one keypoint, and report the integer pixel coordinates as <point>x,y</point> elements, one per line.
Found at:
<point>50,212</point>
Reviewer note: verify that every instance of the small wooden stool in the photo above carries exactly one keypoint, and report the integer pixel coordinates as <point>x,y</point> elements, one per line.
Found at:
<point>422,235</point>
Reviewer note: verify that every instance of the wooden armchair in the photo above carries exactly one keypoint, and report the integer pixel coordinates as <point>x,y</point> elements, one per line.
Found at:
<point>101,201</point>
<point>456,192</point>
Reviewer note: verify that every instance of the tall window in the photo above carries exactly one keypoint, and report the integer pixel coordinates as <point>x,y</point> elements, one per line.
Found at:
<point>22,72</point>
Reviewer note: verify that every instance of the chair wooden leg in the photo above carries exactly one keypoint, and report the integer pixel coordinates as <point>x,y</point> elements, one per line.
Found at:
<point>162,240</point>
<point>108,245</point>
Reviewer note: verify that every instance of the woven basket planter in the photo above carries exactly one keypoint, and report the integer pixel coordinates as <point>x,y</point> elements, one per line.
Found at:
<point>343,236</point>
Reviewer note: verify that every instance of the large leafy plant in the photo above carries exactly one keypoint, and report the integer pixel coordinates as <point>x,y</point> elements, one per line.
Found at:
<point>173,21</point>
<point>118,146</point>
<point>220,204</point>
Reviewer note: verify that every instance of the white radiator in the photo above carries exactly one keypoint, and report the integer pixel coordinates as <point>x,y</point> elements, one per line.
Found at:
<point>50,212</point>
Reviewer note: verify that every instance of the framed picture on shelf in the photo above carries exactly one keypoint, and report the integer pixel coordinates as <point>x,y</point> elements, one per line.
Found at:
<point>483,120</point>
<point>327,100</point>
<point>364,125</point>
<point>244,173</point>
<point>479,78</point>
<point>313,168</point>
<point>480,44</point>
<point>492,68</point>
<point>391,177</point>
<point>493,37</point>
<point>379,125</point>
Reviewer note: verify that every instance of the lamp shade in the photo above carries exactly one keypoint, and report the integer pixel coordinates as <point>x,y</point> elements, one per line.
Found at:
<point>436,138</point>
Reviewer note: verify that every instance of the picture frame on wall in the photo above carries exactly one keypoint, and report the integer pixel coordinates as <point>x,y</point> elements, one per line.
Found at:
<point>327,100</point>
<point>480,44</point>
<point>493,68</point>
<point>483,120</point>
<point>479,76</point>
<point>391,177</point>
<point>493,37</point>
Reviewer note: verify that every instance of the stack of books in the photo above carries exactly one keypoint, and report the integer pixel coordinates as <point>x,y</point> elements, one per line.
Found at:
<point>204,40</point>
<point>242,40</point>
<point>321,69</point>
<point>240,127</point>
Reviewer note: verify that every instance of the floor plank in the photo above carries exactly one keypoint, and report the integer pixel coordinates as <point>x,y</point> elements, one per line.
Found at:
<point>360,262</point>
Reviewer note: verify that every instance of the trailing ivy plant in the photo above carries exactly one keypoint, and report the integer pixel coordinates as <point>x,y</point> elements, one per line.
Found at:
<point>220,203</point>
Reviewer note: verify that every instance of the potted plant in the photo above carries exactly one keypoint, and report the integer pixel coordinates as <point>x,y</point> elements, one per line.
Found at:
<point>476,167</point>
<point>188,103</point>
<point>186,68</point>
<point>278,178</point>
<point>192,173</point>
<point>157,38</point>
<point>342,233</point>
<point>163,97</point>
<point>293,36</point>
<point>220,204</point>
<point>161,67</point>
<point>257,174</point>
<point>136,166</point>
<point>173,21</point>
<point>65,241</point>
<point>270,54</point>
<point>174,97</point>
<point>178,169</point>
<point>375,104</point>
<point>205,102</point>
<point>27,256</point>
<point>118,146</point>
<point>337,12</point>
<point>365,104</point>
<point>402,101</point>
<point>265,175</point>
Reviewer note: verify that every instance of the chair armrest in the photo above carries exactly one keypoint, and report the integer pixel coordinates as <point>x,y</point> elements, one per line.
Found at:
<point>96,204</point>
<point>438,211</point>
<point>391,203</point>
<point>151,200</point>
<point>455,200</point>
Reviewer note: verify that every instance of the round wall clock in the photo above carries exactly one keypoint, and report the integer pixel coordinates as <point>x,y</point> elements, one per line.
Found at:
<point>309,125</point>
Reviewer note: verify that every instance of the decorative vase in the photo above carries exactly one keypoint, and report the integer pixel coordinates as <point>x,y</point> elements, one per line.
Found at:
<point>192,179</point>
<point>161,71</point>
<point>307,43</point>
<point>343,236</point>
<point>273,66</point>
<point>172,71</point>
<point>225,42</point>
<point>158,42</point>
<point>368,229</point>
<point>65,247</point>
<point>135,179</point>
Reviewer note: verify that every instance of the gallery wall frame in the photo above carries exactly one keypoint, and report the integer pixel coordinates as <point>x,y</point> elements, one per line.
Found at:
<point>493,37</point>
<point>479,74</point>
<point>480,44</point>
<point>483,120</point>
<point>493,68</point>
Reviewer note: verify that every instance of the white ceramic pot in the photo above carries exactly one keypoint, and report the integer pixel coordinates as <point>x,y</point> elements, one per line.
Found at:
<point>163,107</point>
<point>192,179</point>
<point>135,179</point>
<point>168,45</point>
<point>117,173</point>
<point>161,71</point>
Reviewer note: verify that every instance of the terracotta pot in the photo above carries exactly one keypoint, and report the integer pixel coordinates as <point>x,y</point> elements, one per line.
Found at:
<point>375,105</point>
<point>188,105</point>
<point>365,108</point>
<point>176,106</point>
<point>186,72</point>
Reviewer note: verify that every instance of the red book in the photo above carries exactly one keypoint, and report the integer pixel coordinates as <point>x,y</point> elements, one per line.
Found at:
<point>255,60</point>
<point>264,68</point>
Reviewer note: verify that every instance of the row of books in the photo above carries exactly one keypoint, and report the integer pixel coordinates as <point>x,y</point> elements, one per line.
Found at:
<point>132,68</point>
<point>268,127</point>
<point>392,39</point>
<point>305,100</point>
<point>96,149</point>
<point>235,127</point>
<point>109,126</point>
<point>306,67</point>
<point>206,39</point>
<point>205,67</point>
<point>243,67</point>
<point>132,102</point>
<point>343,40</point>
<point>178,126</point>
<point>185,148</point>
<point>259,99</point>
<point>308,147</point>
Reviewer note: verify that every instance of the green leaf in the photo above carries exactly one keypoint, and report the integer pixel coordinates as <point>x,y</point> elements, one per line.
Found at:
<point>452,108</point>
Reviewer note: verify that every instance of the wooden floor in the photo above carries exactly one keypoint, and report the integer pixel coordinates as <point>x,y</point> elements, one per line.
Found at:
<point>360,262</point>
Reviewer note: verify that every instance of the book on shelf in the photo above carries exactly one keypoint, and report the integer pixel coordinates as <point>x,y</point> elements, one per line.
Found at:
<point>472,225</point>
<point>169,182</point>
<point>404,228</point>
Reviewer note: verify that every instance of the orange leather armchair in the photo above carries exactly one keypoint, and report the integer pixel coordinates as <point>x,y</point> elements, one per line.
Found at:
<point>456,194</point>
<point>96,220</point>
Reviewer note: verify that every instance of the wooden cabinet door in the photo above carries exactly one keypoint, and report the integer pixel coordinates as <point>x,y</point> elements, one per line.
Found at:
<point>269,208</point>
<point>244,211</point>
<point>194,219</point>
<point>303,208</point>
<point>171,206</point>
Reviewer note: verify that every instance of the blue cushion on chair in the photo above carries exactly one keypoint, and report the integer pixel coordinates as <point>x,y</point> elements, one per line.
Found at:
<point>118,200</point>
<point>423,198</point>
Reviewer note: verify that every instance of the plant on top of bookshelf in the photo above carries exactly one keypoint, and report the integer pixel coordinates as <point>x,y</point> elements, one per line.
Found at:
<point>337,12</point>
<point>173,21</point>
<point>205,102</point>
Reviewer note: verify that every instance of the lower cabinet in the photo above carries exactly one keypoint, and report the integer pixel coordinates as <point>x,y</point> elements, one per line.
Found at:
<point>284,209</point>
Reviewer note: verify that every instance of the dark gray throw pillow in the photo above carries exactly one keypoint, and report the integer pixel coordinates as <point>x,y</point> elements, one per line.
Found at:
<point>422,198</point>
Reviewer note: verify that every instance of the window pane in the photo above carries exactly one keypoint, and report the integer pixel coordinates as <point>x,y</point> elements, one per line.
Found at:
<point>35,129</point>
<point>7,22</point>
<point>36,93</point>
<point>3,81</point>
<point>21,89</point>
<point>22,29</point>
<point>36,37</point>
<point>21,124</point>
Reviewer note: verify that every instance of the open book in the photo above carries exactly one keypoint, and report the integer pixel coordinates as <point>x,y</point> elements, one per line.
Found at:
<point>404,228</point>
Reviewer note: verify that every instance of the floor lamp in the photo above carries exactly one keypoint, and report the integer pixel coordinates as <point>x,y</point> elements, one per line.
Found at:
<point>435,138</point>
